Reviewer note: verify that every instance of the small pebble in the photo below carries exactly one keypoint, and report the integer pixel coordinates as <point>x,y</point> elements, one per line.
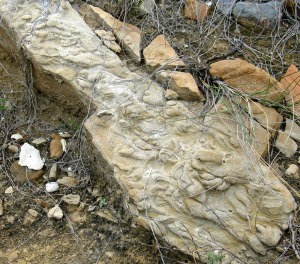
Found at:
<point>71,198</point>
<point>39,141</point>
<point>9,190</point>
<point>55,213</point>
<point>33,212</point>
<point>51,187</point>
<point>13,148</point>
<point>292,170</point>
<point>16,136</point>
<point>53,172</point>
<point>65,135</point>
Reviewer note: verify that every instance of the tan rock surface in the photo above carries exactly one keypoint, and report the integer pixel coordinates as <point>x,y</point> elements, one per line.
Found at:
<point>187,181</point>
<point>128,35</point>
<point>291,84</point>
<point>159,53</point>
<point>248,78</point>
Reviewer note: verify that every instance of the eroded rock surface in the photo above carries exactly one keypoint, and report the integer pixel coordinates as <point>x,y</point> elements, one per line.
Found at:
<point>190,182</point>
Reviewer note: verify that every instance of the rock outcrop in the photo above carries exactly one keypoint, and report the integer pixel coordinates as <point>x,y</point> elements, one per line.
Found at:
<point>191,182</point>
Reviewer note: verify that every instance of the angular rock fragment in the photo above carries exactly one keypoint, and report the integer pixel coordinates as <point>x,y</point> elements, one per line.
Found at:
<point>23,173</point>
<point>248,78</point>
<point>197,10</point>
<point>30,157</point>
<point>56,146</point>
<point>291,84</point>
<point>71,198</point>
<point>159,53</point>
<point>55,213</point>
<point>184,85</point>
<point>68,181</point>
<point>38,141</point>
<point>53,172</point>
<point>51,187</point>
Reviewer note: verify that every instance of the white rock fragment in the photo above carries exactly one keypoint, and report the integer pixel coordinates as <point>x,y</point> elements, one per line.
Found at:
<point>71,198</point>
<point>16,136</point>
<point>30,157</point>
<point>64,144</point>
<point>55,213</point>
<point>51,187</point>
<point>39,141</point>
<point>9,190</point>
<point>292,170</point>
<point>65,135</point>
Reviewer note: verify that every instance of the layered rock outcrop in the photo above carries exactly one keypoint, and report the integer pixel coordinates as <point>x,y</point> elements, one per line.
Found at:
<point>188,180</point>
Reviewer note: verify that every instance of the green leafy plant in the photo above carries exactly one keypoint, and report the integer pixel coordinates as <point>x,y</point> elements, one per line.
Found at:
<point>2,104</point>
<point>102,202</point>
<point>70,123</point>
<point>215,258</point>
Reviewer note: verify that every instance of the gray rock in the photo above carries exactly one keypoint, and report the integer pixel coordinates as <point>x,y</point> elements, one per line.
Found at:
<point>258,15</point>
<point>225,6</point>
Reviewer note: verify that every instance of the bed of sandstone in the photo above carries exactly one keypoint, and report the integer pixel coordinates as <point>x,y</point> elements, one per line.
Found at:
<point>199,182</point>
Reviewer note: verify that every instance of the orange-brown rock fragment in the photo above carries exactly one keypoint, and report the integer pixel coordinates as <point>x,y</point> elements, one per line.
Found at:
<point>22,173</point>
<point>196,10</point>
<point>291,84</point>
<point>248,78</point>
<point>56,147</point>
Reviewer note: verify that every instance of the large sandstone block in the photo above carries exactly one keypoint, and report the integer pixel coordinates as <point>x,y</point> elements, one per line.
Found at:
<point>248,78</point>
<point>190,182</point>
